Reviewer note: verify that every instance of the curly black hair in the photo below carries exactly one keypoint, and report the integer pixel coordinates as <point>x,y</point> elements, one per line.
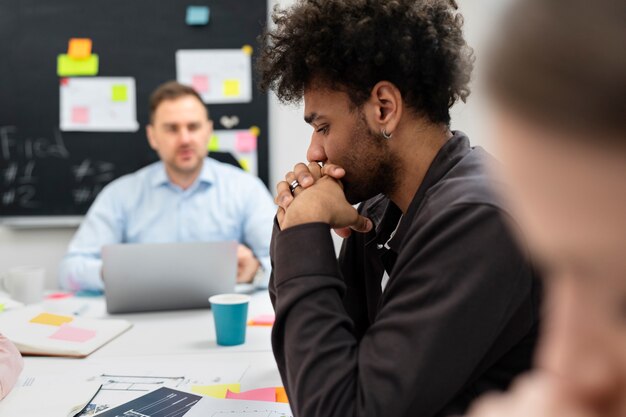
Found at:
<point>351,45</point>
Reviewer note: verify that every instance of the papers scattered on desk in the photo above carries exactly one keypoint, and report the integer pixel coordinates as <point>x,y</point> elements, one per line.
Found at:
<point>50,397</point>
<point>164,402</point>
<point>167,402</point>
<point>36,332</point>
<point>238,408</point>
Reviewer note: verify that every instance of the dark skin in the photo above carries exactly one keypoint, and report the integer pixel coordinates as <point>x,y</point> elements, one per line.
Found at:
<point>351,163</point>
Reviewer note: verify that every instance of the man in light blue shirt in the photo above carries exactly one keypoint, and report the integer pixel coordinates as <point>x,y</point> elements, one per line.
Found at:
<point>185,197</point>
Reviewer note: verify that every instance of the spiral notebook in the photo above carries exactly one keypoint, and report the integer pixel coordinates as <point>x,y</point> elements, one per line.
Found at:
<point>37,332</point>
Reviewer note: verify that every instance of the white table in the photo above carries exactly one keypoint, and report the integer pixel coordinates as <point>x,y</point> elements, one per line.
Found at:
<point>177,340</point>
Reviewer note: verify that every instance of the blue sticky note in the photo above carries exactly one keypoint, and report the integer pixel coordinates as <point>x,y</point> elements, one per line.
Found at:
<point>198,15</point>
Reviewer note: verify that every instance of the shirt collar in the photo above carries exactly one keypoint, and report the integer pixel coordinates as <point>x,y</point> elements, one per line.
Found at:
<point>388,217</point>
<point>160,178</point>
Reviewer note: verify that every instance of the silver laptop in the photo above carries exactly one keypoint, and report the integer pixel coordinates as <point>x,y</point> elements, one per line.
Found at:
<point>167,276</point>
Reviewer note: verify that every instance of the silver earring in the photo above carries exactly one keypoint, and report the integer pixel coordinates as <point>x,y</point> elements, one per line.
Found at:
<point>385,134</point>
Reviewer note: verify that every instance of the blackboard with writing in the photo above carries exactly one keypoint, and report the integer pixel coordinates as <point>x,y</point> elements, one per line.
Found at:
<point>49,171</point>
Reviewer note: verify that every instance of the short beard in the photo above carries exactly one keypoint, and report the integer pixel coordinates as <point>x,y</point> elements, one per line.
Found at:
<point>373,168</point>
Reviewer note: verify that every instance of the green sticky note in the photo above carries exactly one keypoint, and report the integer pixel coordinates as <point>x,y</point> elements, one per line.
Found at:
<point>245,164</point>
<point>68,66</point>
<point>214,144</point>
<point>119,92</point>
<point>1,308</point>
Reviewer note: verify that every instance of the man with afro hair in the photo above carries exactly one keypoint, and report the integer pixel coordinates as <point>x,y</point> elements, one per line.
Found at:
<point>432,302</point>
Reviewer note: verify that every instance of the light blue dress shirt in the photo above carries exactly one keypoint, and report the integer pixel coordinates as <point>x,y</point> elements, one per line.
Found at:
<point>224,203</point>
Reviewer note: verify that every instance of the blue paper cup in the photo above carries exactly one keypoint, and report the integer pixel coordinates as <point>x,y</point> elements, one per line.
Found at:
<point>230,312</point>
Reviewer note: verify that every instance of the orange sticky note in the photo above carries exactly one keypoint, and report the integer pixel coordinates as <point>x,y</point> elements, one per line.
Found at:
<point>51,319</point>
<point>261,394</point>
<point>79,48</point>
<point>262,320</point>
<point>281,395</point>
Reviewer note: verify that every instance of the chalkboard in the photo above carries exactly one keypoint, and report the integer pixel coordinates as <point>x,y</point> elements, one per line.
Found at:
<point>45,171</point>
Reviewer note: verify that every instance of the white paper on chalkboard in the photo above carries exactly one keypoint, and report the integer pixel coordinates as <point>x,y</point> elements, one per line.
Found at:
<point>219,75</point>
<point>98,104</point>
<point>241,144</point>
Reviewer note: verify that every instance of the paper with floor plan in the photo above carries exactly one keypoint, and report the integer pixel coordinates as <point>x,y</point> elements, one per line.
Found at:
<point>213,407</point>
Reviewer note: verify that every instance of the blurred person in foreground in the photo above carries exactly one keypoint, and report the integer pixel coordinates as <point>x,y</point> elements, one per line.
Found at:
<point>558,77</point>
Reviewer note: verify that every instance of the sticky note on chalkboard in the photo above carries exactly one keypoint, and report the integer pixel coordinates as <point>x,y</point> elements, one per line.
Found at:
<point>198,15</point>
<point>232,88</point>
<point>200,83</point>
<point>68,66</point>
<point>214,143</point>
<point>73,334</point>
<point>80,115</point>
<point>79,48</point>
<point>119,92</point>
<point>245,142</point>
<point>245,164</point>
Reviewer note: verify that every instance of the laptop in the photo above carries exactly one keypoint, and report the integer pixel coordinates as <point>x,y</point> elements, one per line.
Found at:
<point>167,276</point>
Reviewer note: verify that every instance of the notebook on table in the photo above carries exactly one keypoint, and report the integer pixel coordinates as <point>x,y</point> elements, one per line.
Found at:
<point>167,276</point>
<point>37,332</point>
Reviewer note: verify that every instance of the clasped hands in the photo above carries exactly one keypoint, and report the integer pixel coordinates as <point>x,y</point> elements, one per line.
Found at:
<point>318,198</point>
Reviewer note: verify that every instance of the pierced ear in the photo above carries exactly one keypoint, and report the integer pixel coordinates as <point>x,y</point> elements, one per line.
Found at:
<point>387,101</point>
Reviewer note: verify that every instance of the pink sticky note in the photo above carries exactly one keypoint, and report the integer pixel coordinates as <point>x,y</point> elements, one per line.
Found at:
<point>261,394</point>
<point>73,334</point>
<point>245,142</point>
<point>80,115</point>
<point>200,83</point>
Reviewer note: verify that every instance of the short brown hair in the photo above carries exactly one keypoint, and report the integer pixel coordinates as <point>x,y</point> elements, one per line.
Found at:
<point>171,90</point>
<point>562,64</point>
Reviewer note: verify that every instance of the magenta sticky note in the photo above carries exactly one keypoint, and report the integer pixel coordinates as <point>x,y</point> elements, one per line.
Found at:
<point>73,334</point>
<point>200,83</point>
<point>261,394</point>
<point>245,142</point>
<point>80,115</point>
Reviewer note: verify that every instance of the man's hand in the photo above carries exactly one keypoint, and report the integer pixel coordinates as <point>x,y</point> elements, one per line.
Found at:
<point>247,265</point>
<point>325,202</point>
<point>538,395</point>
<point>306,175</point>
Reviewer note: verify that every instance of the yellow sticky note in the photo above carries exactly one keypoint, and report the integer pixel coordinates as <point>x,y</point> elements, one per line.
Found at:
<point>68,66</point>
<point>1,308</point>
<point>51,319</point>
<point>119,92</point>
<point>255,131</point>
<point>281,395</point>
<point>216,391</point>
<point>245,164</point>
<point>232,88</point>
<point>247,49</point>
<point>214,144</point>
<point>79,48</point>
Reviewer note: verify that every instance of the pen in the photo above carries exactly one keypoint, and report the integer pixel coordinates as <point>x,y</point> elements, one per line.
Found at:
<point>82,309</point>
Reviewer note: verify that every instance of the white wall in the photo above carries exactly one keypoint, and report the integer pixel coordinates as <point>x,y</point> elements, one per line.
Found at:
<point>289,137</point>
